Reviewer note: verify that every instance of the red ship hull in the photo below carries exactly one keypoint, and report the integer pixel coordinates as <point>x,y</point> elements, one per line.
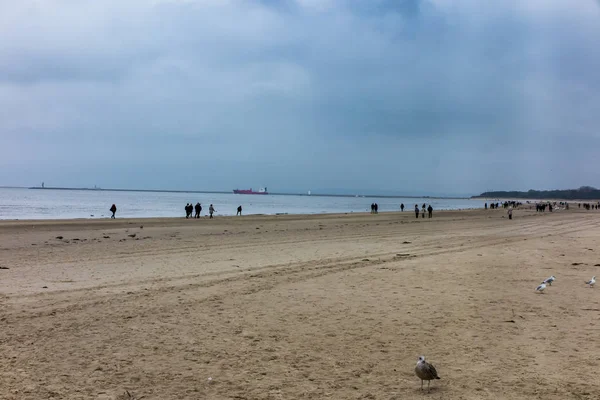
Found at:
<point>248,191</point>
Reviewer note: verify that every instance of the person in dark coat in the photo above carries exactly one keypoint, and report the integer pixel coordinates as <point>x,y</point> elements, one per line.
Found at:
<point>198,209</point>
<point>402,207</point>
<point>113,210</point>
<point>417,211</point>
<point>430,210</point>
<point>239,211</point>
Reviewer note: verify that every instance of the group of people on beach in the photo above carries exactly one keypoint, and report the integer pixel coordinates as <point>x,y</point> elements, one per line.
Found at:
<point>190,209</point>
<point>509,205</point>
<point>424,209</point>
<point>506,204</point>
<point>589,206</point>
<point>539,207</point>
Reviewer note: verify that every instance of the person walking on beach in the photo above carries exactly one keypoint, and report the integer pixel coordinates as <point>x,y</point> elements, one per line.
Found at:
<point>239,211</point>
<point>402,207</point>
<point>423,211</point>
<point>211,210</point>
<point>376,208</point>
<point>417,211</point>
<point>187,210</point>
<point>372,208</point>
<point>198,209</point>
<point>113,210</point>
<point>510,210</point>
<point>430,210</point>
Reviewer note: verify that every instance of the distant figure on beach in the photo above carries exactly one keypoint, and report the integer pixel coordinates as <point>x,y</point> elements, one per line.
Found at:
<point>402,207</point>
<point>372,208</point>
<point>187,210</point>
<point>376,208</point>
<point>485,205</point>
<point>430,211</point>
<point>417,211</point>
<point>211,210</point>
<point>510,210</point>
<point>239,211</point>
<point>423,210</point>
<point>113,210</point>
<point>198,209</point>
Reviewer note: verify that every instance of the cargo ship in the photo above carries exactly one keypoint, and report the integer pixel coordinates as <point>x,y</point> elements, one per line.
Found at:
<point>250,191</point>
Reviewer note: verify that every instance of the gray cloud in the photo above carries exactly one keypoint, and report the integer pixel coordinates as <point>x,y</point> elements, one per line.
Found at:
<point>413,96</point>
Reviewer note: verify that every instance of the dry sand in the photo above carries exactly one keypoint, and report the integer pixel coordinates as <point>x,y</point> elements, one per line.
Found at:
<point>301,307</point>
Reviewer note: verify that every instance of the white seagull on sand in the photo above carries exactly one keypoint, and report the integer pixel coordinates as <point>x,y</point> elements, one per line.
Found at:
<point>550,280</point>
<point>591,282</point>
<point>425,372</point>
<point>541,288</point>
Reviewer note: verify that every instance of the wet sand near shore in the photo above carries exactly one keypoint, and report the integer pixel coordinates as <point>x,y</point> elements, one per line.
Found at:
<point>301,307</point>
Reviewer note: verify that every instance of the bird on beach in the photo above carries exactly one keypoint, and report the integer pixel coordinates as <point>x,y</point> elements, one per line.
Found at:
<point>425,372</point>
<point>550,280</point>
<point>591,282</point>
<point>541,288</point>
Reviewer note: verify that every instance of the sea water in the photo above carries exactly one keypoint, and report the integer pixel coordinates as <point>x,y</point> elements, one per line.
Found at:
<point>70,204</point>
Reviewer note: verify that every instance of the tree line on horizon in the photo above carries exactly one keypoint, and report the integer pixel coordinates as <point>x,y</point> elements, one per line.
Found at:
<point>583,193</point>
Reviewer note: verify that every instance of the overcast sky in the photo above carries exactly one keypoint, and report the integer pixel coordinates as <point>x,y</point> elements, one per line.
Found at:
<point>405,96</point>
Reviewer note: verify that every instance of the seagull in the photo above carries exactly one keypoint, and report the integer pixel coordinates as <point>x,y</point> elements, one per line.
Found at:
<point>550,280</point>
<point>425,372</point>
<point>541,288</point>
<point>591,282</point>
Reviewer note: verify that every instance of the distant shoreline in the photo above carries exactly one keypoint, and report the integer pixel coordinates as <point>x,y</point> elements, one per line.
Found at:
<point>584,193</point>
<point>231,192</point>
<point>533,200</point>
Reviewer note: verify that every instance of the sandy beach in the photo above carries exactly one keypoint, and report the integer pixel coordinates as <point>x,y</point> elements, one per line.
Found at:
<point>301,307</point>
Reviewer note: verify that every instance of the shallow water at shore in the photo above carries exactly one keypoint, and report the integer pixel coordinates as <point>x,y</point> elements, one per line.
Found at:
<point>69,204</point>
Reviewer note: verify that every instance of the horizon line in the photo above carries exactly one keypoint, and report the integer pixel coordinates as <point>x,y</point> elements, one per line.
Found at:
<point>231,192</point>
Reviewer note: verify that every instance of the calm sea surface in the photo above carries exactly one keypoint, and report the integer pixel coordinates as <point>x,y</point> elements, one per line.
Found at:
<point>68,204</point>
